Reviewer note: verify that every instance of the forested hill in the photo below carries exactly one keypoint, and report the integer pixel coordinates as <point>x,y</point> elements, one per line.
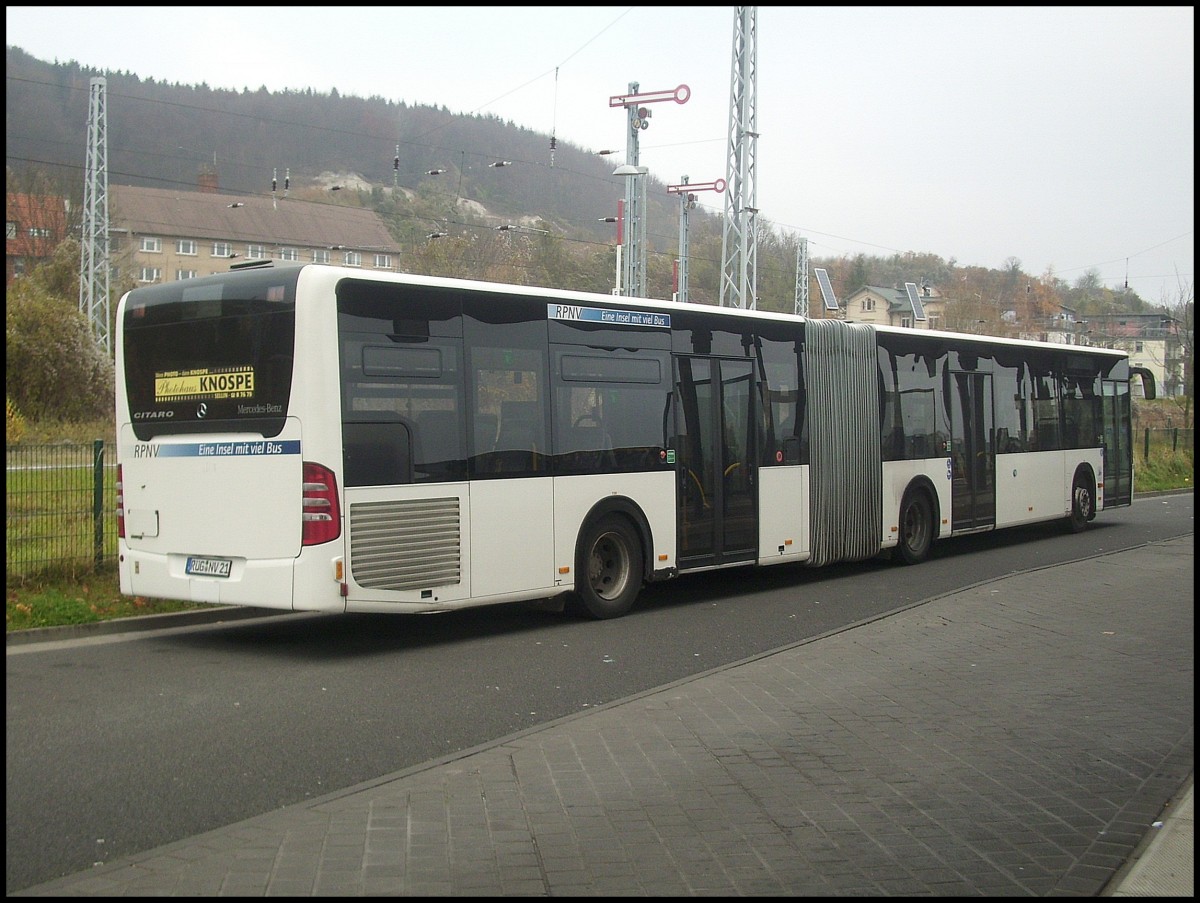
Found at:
<point>170,135</point>
<point>164,135</point>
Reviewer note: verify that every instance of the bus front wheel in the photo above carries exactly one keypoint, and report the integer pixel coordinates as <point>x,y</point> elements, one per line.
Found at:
<point>916,527</point>
<point>1083,504</point>
<point>608,567</point>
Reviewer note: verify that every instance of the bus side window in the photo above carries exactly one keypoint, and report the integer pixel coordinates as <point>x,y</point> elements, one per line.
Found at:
<point>595,446</point>
<point>517,426</point>
<point>376,453</point>
<point>485,432</point>
<point>517,447</point>
<point>894,445</point>
<point>438,453</point>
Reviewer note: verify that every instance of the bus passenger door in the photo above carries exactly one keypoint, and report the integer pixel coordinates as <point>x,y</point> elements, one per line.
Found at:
<point>718,515</point>
<point>972,452</point>
<point>1118,456</point>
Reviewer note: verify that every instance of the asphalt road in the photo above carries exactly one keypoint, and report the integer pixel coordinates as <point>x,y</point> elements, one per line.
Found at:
<point>121,743</point>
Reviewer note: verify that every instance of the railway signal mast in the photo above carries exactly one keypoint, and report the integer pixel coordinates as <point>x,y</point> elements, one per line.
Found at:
<point>687,202</point>
<point>634,245</point>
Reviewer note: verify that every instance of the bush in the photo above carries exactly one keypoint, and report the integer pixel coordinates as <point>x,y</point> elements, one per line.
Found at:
<point>54,368</point>
<point>14,423</point>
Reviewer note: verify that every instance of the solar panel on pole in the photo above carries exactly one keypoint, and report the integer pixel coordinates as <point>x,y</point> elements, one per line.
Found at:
<point>826,288</point>
<point>914,298</point>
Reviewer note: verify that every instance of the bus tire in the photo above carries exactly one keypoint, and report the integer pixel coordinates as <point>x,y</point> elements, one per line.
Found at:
<point>1083,502</point>
<point>608,567</point>
<point>916,526</point>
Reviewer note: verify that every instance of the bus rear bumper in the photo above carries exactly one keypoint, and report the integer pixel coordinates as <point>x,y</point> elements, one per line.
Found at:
<point>264,583</point>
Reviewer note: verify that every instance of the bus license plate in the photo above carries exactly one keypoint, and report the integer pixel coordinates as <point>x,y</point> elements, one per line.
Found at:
<point>209,567</point>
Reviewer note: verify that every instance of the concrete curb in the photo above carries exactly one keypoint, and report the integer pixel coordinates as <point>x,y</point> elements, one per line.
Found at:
<point>1163,865</point>
<point>214,615</point>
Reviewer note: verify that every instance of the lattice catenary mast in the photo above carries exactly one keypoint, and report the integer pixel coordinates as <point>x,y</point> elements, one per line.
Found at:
<point>739,242</point>
<point>93,262</point>
<point>801,309</point>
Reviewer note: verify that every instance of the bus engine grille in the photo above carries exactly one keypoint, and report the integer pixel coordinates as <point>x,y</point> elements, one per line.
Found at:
<point>406,544</point>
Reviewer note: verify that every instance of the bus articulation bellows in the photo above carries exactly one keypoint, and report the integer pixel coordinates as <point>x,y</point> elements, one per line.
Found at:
<point>318,438</point>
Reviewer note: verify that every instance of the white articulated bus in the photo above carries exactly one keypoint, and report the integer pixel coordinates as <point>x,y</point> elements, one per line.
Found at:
<point>319,438</point>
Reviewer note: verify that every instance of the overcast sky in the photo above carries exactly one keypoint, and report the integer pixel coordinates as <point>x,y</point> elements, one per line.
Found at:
<point>1061,136</point>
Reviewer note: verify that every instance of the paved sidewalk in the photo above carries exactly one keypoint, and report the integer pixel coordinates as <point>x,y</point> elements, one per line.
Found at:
<point>1020,737</point>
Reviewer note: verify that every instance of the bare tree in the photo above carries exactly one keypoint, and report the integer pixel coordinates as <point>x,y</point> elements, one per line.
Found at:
<point>1182,310</point>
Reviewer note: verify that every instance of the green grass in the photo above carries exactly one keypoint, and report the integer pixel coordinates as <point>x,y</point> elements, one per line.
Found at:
<point>1163,471</point>
<point>49,521</point>
<point>78,599</point>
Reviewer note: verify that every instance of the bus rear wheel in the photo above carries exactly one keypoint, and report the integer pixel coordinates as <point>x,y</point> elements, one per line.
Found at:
<point>916,527</point>
<point>608,567</point>
<point>1083,504</point>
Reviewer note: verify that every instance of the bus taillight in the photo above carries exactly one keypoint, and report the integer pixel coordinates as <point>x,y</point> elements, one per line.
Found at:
<point>319,507</point>
<point>120,505</point>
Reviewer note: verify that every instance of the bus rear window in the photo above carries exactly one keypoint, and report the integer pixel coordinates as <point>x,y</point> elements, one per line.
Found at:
<point>210,355</point>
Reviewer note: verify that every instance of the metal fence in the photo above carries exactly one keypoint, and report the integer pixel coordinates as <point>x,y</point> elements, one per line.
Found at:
<point>1173,440</point>
<point>62,502</point>
<point>60,508</point>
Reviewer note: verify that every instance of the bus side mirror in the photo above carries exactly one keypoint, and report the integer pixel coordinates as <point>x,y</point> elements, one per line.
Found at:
<point>1148,391</point>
